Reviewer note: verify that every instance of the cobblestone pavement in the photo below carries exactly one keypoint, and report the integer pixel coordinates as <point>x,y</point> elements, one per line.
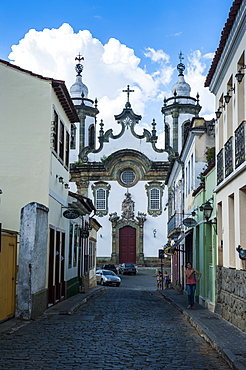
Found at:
<point>117,329</point>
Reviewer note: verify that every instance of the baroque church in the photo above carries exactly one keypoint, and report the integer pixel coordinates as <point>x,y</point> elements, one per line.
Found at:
<point>124,173</point>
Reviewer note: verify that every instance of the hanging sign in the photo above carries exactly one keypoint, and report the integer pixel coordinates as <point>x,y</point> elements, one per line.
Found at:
<point>84,233</point>
<point>71,213</point>
<point>190,222</point>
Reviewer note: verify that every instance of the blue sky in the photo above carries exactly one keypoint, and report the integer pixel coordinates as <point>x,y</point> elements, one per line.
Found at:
<point>146,34</point>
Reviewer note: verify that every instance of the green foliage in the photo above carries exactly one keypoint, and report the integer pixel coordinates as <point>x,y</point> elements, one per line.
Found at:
<point>210,155</point>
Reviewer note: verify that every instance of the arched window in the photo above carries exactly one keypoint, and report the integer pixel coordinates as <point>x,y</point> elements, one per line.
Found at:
<point>91,135</point>
<point>154,191</point>
<point>154,199</point>
<point>100,191</point>
<point>100,199</point>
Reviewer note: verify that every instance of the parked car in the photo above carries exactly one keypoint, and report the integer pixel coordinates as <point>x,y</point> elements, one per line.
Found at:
<point>127,268</point>
<point>111,267</point>
<point>107,277</point>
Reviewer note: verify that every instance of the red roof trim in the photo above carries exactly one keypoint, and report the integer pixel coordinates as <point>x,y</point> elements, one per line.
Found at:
<point>224,36</point>
<point>59,88</point>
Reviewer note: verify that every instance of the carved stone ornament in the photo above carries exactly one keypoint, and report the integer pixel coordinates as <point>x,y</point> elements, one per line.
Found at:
<point>127,207</point>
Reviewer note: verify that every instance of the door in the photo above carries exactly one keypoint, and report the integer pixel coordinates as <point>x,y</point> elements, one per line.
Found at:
<point>8,270</point>
<point>127,245</point>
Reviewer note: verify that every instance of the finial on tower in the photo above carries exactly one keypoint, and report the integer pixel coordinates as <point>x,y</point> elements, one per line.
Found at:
<point>79,67</point>
<point>181,66</point>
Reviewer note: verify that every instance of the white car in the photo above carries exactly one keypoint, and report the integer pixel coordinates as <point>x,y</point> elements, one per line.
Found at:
<point>107,277</point>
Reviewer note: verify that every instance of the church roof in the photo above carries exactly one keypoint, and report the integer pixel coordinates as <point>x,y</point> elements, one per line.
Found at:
<point>224,36</point>
<point>59,88</point>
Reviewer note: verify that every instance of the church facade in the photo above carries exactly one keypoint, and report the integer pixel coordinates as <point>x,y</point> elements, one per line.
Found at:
<point>124,174</point>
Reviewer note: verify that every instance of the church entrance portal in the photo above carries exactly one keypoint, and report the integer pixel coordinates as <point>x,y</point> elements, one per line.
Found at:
<point>127,245</point>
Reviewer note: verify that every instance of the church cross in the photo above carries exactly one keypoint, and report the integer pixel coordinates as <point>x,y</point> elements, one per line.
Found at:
<point>128,92</point>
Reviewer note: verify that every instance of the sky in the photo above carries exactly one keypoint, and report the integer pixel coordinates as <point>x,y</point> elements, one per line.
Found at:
<point>123,42</point>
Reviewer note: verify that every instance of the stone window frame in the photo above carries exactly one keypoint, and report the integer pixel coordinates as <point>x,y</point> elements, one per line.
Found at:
<point>128,168</point>
<point>149,187</point>
<point>106,187</point>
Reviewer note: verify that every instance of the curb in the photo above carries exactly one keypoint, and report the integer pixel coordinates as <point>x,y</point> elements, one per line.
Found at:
<point>75,307</point>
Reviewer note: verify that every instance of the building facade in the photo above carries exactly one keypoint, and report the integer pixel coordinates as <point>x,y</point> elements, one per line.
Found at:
<point>34,180</point>
<point>227,82</point>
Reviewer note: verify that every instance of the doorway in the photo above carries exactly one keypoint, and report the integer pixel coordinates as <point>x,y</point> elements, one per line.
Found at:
<point>127,245</point>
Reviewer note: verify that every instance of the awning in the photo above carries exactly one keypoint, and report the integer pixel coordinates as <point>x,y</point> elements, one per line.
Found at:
<point>184,235</point>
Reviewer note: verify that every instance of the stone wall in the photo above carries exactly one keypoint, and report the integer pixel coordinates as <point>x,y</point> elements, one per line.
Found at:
<point>231,295</point>
<point>31,289</point>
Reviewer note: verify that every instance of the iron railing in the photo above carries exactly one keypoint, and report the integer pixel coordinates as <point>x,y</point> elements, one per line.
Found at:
<point>228,157</point>
<point>240,144</point>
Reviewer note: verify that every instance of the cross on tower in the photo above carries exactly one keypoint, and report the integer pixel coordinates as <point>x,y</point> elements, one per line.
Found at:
<point>128,92</point>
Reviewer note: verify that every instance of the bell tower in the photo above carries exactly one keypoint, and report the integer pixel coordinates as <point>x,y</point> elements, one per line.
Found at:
<point>87,111</point>
<point>178,110</point>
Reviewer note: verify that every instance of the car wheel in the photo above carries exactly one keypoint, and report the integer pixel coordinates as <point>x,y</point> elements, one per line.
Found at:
<point>134,273</point>
<point>102,282</point>
<point>118,284</point>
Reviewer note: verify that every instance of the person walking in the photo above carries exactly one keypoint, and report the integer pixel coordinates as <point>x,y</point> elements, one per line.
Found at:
<point>192,277</point>
<point>159,278</point>
<point>166,279</point>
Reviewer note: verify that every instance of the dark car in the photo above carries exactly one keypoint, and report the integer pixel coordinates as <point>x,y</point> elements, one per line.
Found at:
<point>110,267</point>
<point>127,268</point>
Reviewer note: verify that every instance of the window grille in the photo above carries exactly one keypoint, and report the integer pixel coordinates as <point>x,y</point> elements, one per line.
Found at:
<point>101,199</point>
<point>128,177</point>
<point>154,198</point>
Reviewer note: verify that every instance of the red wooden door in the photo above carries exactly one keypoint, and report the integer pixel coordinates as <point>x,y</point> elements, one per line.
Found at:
<point>127,245</point>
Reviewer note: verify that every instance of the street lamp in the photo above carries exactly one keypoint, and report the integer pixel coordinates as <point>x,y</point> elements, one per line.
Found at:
<point>207,210</point>
<point>241,252</point>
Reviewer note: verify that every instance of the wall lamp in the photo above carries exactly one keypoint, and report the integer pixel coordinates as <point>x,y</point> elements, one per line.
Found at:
<point>218,112</point>
<point>227,97</point>
<point>239,76</point>
<point>207,210</point>
<point>60,178</point>
<point>154,232</point>
<point>241,252</point>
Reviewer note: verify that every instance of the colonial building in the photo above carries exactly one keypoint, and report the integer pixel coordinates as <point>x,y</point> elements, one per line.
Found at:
<point>227,82</point>
<point>124,174</point>
<point>34,177</point>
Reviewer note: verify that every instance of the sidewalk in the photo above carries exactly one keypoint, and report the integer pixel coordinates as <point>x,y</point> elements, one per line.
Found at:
<point>226,338</point>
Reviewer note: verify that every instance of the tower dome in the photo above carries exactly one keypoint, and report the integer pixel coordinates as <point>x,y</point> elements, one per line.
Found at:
<point>79,88</point>
<point>181,88</point>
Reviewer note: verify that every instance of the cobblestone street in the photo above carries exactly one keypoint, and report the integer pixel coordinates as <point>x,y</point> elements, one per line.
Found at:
<point>119,328</point>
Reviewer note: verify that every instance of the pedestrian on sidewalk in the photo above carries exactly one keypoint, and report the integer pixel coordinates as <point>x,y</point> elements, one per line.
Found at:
<point>159,278</point>
<point>192,277</point>
<point>166,279</point>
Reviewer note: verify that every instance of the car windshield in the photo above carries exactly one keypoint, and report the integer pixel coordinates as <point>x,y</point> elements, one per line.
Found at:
<point>129,265</point>
<point>108,273</point>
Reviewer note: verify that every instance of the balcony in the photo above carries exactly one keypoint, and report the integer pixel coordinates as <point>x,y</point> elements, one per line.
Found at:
<point>228,157</point>
<point>240,144</point>
<point>220,166</point>
<point>174,225</point>
<point>234,148</point>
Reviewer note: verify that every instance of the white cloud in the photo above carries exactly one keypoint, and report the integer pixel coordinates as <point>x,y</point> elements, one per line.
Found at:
<point>156,55</point>
<point>196,78</point>
<point>108,69</point>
